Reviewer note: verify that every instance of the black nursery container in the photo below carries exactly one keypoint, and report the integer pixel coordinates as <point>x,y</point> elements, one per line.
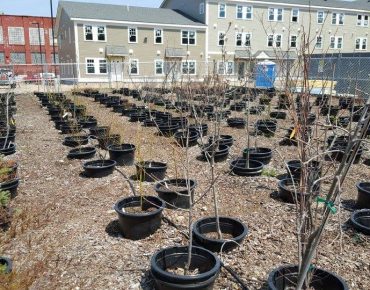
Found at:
<point>123,154</point>
<point>99,168</point>
<point>82,153</point>
<point>363,195</point>
<point>7,264</point>
<point>139,225</point>
<point>236,123</point>
<point>165,260</point>
<point>228,225</point>
<point>11,186</point>
<point>261,154</point>
<point>360,220</point>
<point>227,140</point>
<point>74,141</point>
<point>151,171</point>
<point>238,167</point>
<point>220,153</point>
<point>185,138</point>
<point>286,276</point>
<point>175,192</point>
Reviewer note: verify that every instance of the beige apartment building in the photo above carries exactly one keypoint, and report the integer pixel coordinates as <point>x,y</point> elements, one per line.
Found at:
<point>244,32</point>
<point>114,43</point>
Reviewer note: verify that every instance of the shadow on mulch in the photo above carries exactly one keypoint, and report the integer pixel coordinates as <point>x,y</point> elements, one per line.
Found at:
<point>113,229</point>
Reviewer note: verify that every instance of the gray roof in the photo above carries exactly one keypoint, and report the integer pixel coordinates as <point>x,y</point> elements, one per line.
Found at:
<point>113,50</point>
<point>125,13</point>
<point>175,52</point>
<point>347,4</point>
<point>243,54</point>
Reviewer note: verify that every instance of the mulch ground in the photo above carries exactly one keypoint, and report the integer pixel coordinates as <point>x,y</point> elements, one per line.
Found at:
<point>64,233</point>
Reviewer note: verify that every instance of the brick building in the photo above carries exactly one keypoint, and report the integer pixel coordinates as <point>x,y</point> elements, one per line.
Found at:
<point>26,44</point>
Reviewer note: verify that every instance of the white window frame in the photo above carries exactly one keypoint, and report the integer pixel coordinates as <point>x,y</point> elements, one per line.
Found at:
<point>11,40</point>
<point>223,67</point>
<point>243,39</point>
<point>321,42</point>
<point>275,14</point>
<point>361,43</point>
<point>290,40</point>
<point>137,67</point>
<point>96,65</point>
<point>155,67</point>
<point>245,10</point>
<point>219,10</point>
<point>188,62</point>
<point>129,34</point>
<point>337,18</point>
<point>219,38</point>
<point>36,35</point>
<point>94,32</point>
<point>274,38</point>
<point>201,8</point>
<point>362,22</point>
<point>318,18</point>
<point>292,15</point>
<point>336,42</point>
<point>155,35</point>
<point>188,37</point>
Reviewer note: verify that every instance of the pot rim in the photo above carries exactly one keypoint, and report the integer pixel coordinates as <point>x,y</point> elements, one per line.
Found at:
<point>135,198</point>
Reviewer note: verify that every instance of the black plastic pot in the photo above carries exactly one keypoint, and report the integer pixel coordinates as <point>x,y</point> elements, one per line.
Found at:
<point>227,140</point>
<point>150,123</point>
<point>70,128</point>
<point>340,154</point>
<point>185,138</point>
<point>123,154</point>
<point>286,276</point>
<point>220,153</point>
<point>151,171</point>
<point>137,117</point>
<point>238,167</point>
<point>4,261</point>
<point>175,192</point>
<point>236,123</point>
<point>266,127</point>
<point>261,154</point>
<point>286,193</point>
<point>360,220</point>
<point>88,122</point>
<point>99,168</point>
<point>9,138</point>
<point>8,150</point>
<point>74,141</point>
<point>333,110</point>
<point>165,260</point>
<point>142,224</point>
<point>167,130</point>
<point>82,153</point>
<point>278,115</point>
<point>11,186</point>
<point>228,225</point>
<point>363,195</point>
<point>201,129</point>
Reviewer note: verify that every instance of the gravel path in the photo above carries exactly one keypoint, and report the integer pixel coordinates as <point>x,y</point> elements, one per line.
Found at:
<point>64,234</point>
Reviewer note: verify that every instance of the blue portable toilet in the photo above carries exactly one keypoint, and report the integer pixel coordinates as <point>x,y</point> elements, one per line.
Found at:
<point>265,74</point>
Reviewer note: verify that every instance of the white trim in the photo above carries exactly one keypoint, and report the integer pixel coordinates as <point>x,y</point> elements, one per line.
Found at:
<point>291,15</point>
<point>218,38</point>
<point>219,10</point>
<point>96,65</point>
<point>296,41</point>
<point>136,34</point>
<point>155,67</point>
<point>301,6</point>
<point>276,15</point>
<point>141,24</point>
<point>189,61</point>
<point>94,32</point>
<point>337,18</point>
<point>244,12</point>
<point>361,39</point>
<point>77,50</point>
<point>137,67</point>
<point>322,41</point>
<point>362,20</point>
<point>154,35</point>
<point>323,17</point>
<point>195,37</point>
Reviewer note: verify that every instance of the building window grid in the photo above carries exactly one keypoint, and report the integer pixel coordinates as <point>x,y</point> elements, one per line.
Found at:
<point>318,43</point>
<point>293,41</point>
<point>362,20</point>
<point>244,12</point>
<point>320,17</point>
<point>221,38</point>
<point>221,10</point>
<point>101,33</point>
<point>361,43</point>
<point>159,66</point>
<point>132,35</point>
<point>188,67</point>
<point>2,58</point>
<point>337,18</point>
<point>336,42</point>
<point>134,67</point>
<point>158,36</point>
<point>274,40</point>
<point>1,35</point>
<point>188,37</point>
<point>294,15</point>
<point>18,57</point>
<point>96,66</point>
<point>201,8</point>
<point>16,35</point>
<point>35,36</point>
<point>275,14</point>
<point>88,32</point>
<point>243,39</point>
<point>225,68</point>
<point>37,58</point>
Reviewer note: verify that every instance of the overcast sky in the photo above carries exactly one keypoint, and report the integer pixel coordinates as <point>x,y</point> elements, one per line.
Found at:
<point>42,7</point>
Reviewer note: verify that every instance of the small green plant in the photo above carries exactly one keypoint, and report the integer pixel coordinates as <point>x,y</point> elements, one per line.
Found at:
<point>269,172</point>
<point>4,198</point>
<point>2,269</point>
